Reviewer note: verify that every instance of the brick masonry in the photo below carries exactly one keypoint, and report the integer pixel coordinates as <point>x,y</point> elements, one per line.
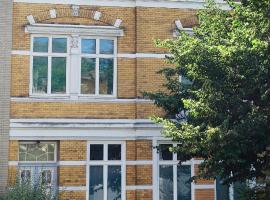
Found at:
<point>135,75</point>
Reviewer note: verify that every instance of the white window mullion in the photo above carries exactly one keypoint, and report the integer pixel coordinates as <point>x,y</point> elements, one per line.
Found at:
<point>175,182</point>
<point>97,67</point>
<point>105,179</point>
<point>49,89</point>
<point>97,76</point>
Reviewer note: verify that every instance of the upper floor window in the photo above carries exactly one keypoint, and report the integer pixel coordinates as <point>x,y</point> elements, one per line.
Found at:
<point>97,66</point>
<point>86,67</point>
<point>49,65</point>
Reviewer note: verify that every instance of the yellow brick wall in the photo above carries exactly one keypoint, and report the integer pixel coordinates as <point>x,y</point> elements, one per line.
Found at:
<point>72,195</point>
<point>20,76</point>
<point>157,23</point>
<point>70,150</point>
<point>13,150</point>
<point>139,150</point>
<point>21,40</point>
<point>83,110</point>
<point>72,176</point>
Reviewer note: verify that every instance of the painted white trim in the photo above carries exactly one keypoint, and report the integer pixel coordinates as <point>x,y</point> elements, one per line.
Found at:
<point>119,55</point>
<point>139,162</point>
<point>72,163</point>
<point>79,100</point>
<point>139,187</point>
<point>56,29</point>
<point>195,4</point>
<point>72,188</point>
<point>21,52</point>
<point>204,187</point>
<point>13,163</point>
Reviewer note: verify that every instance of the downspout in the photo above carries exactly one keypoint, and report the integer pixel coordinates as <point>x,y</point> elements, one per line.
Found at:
<point>6,7</point>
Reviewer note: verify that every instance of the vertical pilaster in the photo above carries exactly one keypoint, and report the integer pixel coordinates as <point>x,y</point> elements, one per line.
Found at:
<point>5,75</point>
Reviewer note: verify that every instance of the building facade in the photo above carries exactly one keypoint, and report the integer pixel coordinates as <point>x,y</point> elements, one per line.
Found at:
<point>78,120</point>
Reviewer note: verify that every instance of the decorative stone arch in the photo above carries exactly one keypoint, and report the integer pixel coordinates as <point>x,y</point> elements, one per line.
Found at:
<point>74,11</point>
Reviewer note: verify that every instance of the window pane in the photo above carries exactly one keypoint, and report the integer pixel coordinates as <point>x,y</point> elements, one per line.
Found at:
<point>114,152</point>
<point>166,182</point>
<point>46,177</point>
<point>88,75</point>
<point>222,190</point>
<point>40,44</point>
<point>164,152</point>
<point>183,182</point>
<point>96,152</point>
<point>59,45</point>
<point>106,76</point>
<point>96,183</point>
<point>106,47</point>
<point>25,176</point>
<point>58,75</point>
<point>114,182</point>
<point>89,46</point>
<point>36,152</point>
<point>40,74</point>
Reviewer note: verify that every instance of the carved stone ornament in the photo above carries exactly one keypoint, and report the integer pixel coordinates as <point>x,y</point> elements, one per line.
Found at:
<point>74,41</point>
<point>75,10</point>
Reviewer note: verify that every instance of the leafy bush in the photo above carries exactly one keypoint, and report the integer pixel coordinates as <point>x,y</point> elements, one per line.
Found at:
<point>28,191</point>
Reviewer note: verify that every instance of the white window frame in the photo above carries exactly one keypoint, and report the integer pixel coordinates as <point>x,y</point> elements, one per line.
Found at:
<point>105,163</point>
<point>39,162</point>
<point>49,55</point>
<point>174,162</point>
<point>69,56</point>
<point>97,56</point>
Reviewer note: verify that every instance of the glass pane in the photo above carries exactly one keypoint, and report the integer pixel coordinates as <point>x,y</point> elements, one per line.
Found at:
<point>40,44</point>
<point>105,76</point>
<point>26,175</point>
<point>166,182</point>
<point>89,46</point>
<point>88,75</point>
<point>96,183</point>
<point>222,190</point>
<point>96,152</point>
<point>106,47</point>
<point>114,182</point>
<point>46,177</point>
<point>114,152</point>
<point>40,74</point>
<point>164,152</point>
<point>36,152</point>
<point>59,45</point>
<point>183,182</point>
<point>58,75</point>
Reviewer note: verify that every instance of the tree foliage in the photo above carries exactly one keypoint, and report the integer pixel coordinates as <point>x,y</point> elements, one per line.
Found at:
<point>223,115</point>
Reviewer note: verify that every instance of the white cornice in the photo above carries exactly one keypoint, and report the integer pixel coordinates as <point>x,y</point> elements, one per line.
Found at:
<point>82,123</point>
<point>108,31</point>
<point>195,4</point>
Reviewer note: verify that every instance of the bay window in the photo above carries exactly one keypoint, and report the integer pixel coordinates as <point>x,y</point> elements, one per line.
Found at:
<point>174,179</point>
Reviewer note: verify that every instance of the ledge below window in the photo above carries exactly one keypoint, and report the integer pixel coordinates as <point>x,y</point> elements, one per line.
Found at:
<point>63,29</point>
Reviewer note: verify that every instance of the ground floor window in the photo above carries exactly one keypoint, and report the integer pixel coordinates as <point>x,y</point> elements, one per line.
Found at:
<point>106,168</point>
<point>37,164</point>
<point>174,179</point>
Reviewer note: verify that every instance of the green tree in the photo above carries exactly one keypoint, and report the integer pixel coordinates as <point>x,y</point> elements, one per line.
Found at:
<point>222,114</point>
